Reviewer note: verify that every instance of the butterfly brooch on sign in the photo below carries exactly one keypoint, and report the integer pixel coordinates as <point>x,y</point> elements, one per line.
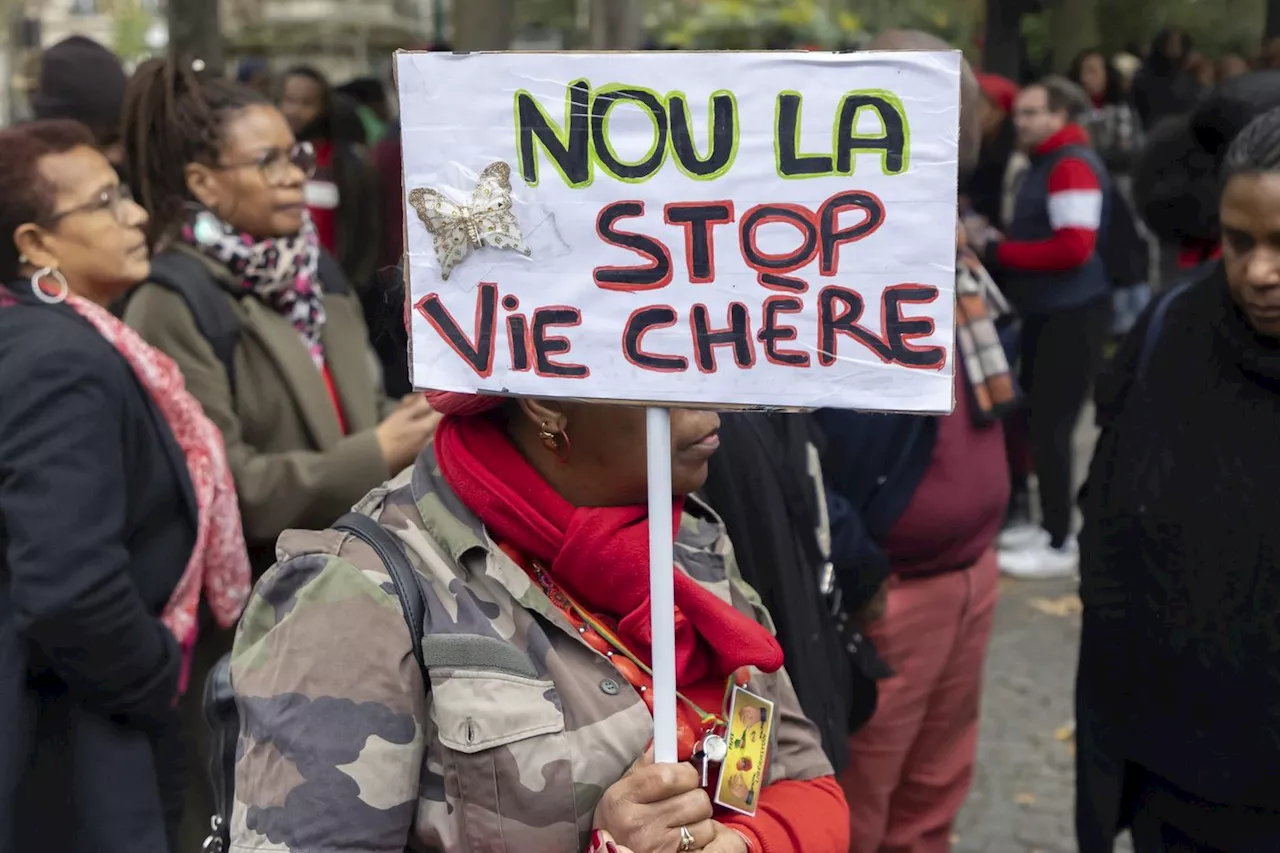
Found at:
<point>485,220</point>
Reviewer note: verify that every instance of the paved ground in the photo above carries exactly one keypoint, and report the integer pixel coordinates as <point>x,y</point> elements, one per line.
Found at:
<point>1023,793</point>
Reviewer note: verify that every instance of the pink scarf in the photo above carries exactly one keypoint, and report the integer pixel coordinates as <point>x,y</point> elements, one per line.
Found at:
<point>219,563</point>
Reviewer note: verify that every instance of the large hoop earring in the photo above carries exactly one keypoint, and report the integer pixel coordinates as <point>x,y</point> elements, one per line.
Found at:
<point>37,286</point>
<point>557,442</point>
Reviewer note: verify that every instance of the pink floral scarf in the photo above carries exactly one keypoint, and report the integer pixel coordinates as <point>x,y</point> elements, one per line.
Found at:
<point>280,271</point>
<point>219,563</point>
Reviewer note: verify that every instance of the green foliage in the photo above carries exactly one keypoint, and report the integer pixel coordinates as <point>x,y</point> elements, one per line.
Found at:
<point>1216,25</point>
<point>130,23</point>
<point>750,24</point>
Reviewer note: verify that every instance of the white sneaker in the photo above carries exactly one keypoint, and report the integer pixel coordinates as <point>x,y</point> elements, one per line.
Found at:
<point>1041,561</point>
<point>1021,535</point>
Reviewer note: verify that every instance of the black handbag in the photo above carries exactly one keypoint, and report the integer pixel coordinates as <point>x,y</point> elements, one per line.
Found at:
<point>219,696</point>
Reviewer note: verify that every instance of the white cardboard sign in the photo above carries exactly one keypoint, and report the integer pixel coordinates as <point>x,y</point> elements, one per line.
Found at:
<point>729,229</point>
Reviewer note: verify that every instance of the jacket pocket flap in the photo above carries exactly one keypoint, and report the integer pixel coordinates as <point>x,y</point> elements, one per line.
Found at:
<point>479,710</point>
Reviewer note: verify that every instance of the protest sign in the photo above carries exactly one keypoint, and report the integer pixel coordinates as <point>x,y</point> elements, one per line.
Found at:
<point>710,229</point>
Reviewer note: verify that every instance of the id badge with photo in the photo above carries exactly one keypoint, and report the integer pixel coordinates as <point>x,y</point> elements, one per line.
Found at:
<point>749,728</point>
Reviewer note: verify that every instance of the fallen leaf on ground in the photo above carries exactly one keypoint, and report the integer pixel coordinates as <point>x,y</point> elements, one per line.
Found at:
<point>1065,732</point>
<point>1067,605</point>
<point>1025,799</point>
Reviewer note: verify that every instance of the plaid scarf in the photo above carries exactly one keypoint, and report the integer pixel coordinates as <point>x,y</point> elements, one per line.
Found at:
<point>979,303</point>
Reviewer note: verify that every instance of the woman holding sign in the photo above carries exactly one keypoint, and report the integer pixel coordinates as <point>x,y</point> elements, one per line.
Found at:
<point>527,519</point>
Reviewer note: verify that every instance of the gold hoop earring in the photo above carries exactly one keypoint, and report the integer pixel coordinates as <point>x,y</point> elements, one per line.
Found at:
<point>557,442</point>
<point>38,287</point>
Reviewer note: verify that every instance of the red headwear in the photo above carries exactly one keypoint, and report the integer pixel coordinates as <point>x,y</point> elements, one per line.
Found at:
<point>1001,91</point>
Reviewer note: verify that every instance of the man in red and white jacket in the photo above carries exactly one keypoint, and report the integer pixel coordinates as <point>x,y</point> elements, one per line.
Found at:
<point>1050,267</point>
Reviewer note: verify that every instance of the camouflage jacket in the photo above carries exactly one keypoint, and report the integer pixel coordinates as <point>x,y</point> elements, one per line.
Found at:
<point>342,749</point>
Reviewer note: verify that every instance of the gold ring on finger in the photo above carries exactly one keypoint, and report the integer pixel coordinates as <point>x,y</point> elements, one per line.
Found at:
<point>686,840</point>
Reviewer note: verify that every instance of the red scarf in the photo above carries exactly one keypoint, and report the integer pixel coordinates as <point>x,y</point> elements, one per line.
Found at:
<point>219,563</point>
<point>599,555</point>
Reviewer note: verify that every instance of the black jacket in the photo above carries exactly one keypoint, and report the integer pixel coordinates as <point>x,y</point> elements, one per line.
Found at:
<point>762,486</point>
<point>1179,669</point>
<point>985,187</point>
<point>97,522</point>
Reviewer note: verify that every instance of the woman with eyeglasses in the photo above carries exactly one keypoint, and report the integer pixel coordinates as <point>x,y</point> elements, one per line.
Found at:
<point>260,320</point>
<point>117,516</point>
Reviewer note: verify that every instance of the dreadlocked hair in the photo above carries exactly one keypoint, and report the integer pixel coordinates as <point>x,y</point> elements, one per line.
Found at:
<point>1256,150</point>
<point>175,115</point>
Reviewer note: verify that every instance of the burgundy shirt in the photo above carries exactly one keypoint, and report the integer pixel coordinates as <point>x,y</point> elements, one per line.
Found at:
<point>959,506</point>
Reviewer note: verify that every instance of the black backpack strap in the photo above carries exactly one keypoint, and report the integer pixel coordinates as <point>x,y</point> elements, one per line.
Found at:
<point>404,577</point>
<point>221,714</point>
<point>1156,323</point>
<point>188,277</point>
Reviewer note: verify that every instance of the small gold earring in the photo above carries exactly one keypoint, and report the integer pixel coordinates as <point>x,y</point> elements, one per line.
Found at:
<point>556,442</point>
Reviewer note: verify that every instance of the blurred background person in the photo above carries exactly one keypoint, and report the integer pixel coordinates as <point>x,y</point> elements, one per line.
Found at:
<point>1051,267</point>
<point>384,302</point>
<point>1128,65</point>
<point>1114,128</point>
<point>82,80</point>
<point>926,497</point>
<point>300,405</point>
<point>342,196</point>
<point>254,73</point>
<point>373,105</point>
<point>984,190</point>
<point>1231,65</point>
<point>766,484</point>
<point>1178,692</point>
<point>1165,86</point>
<point>1116,134</point>
<point>1269,56</point>
<point>117,514</point>
<point>1202,70</point>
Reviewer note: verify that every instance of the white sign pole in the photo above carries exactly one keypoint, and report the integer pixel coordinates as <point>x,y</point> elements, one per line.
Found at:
<point>662,612</point>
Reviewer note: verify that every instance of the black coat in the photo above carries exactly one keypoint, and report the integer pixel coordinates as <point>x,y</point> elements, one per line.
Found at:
<point>1180,571</point>
<point>761,486</point>
<point>97,522</point>
<point>985,188</point>
<point>1158,93</point>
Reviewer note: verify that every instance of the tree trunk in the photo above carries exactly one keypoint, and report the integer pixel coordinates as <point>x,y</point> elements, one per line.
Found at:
<point>195,31</point>
<point>617,24</point>
<point>1273,18</point>
<point>1073,27</point>
<point>1002,39</point>
<point>483,24</point>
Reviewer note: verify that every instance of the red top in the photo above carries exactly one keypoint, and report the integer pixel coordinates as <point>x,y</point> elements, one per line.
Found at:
<point>1075,212</point>
<point>1192,256</point>
<point>1001,91</point>
<point>322,198</point>
<point>334,398</point>
<point>958,507</point>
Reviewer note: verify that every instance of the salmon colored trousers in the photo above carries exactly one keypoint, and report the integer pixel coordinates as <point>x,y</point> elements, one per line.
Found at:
<point>911,765</point>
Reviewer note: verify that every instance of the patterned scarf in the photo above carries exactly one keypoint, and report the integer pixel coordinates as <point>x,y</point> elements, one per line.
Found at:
<point>219,562</point>
<point>279,271</point>
<point>979,303</point>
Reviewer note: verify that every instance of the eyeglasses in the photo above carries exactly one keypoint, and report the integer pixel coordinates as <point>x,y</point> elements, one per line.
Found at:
<point>275,164</point>
<point>114,199</point>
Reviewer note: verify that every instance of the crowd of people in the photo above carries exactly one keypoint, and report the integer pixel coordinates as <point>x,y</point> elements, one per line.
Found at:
<point>203,367</point>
